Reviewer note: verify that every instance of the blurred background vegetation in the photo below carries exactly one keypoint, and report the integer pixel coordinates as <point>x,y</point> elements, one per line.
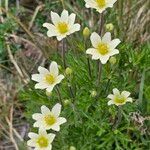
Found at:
<point>24,46</point>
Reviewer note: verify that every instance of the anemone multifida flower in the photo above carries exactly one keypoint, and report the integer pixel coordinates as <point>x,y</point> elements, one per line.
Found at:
<point>103,47</point>
<point>62,26</point>
<point>47,79</point>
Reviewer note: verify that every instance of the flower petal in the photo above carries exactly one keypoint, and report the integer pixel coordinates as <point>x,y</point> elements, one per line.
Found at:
<point>42,70</point>
<point>113,52</point>
<point>56,127</point>
<point>51,137</point>
<point>32,135</point>
<point>107,37</point>
<point>111,96</point>
<point>61,120</point>
<point>104,59</point>
<point>64,16</point>
<point>125,94</point>
<point>55,18</point>
<point>45,110</point>
<point>129,99</point>
<point>95,39</point>
<point>31,143</point>
<point>59,78</point>
<point>37,116</point>
<point>50,88</point>
<point>110,102</point>
<point>72,19</point>
<point>116,91</point>
<point>54,68</point>
<point>56,109</point>
<point>91,51</point>
<point>113,44</point>
<point>74,28</point>
<point>41,86</point>
<point>37,77</point>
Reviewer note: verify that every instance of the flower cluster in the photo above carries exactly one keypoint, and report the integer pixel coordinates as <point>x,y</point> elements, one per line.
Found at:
<point>103,48</point>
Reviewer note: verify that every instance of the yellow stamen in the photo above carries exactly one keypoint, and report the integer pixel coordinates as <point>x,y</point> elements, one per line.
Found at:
<point>49,78</point>
<point>50,120</point>
<point>42,142</point>
<point>119,99</point>
<point>101,3</point>
<point>62,27</point>
<point>103,48</point>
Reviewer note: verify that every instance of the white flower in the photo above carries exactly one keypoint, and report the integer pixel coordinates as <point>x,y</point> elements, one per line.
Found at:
<point>103,48</point>
<point>41,141</point>
<point>47,79</point>
<point>118,98</point>
<point>49,119</point>
<point>63,25</point>
<point>99,5</point>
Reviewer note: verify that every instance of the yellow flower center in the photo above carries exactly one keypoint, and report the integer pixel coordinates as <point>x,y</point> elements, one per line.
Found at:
<point>62,27</point>
<point>49,78</point>
<point>103,48</point>
<point>119,99</point>
<point>101,3</point>
<point>42,142</point>
<point>50,119</point>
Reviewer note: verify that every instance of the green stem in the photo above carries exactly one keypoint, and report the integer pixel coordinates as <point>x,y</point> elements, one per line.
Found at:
<point>63,53</point>
<point>59,95</point>
<point>118,118</point>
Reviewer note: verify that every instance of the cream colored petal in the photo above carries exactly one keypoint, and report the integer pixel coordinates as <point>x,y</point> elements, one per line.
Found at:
<point>49,147</point>
<point>54,68</point>
<point>114,52</point>
<point>45,110</point>
<point>50,88</point>
<point>31,143</point>
<point>55,127</point>
<point>107,37</point>
<point>91,51</point>
<point>37,116</point>
<point>37,77</point>
<point>95,39</point>
<point>113,44</point>
<point>49,26</point>
<point>42,70</point>
<point>104,59</point>
<point>72,19</point>
<point>55,18</point>
<point>125,94</point>
<point>64,16</point>
<point>51,33</point>
<point>51,137</point>
<point>43,132</point>
<point>60,37</point>
<point>74,28</point>
<point>32,135</point>
<point>61,120</point>
<point>56,109</point>
<point>95,56</point>
<point>41,86</point>
<point>59,79</point>
<point>116,91</point>
<point>111,96</point>
<point>129,99</point>
<point>110,102</point>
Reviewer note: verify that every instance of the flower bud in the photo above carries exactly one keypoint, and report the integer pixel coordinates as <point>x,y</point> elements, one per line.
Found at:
<point>66,102</point>
<point>109,27</point>
<point>112,60</point>
<point>68,71</point>
<point>86,32</point>
<point>93,93</point>
<point>48,93</point>
<point>72,148</point>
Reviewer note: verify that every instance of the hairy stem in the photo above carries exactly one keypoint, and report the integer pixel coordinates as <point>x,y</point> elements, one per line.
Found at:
<point>59,95</point>
<point>63,53</point>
